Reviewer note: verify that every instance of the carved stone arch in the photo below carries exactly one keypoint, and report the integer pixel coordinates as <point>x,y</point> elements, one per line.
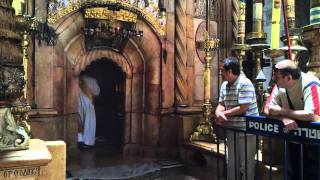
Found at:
<point>84,60</point>
<point>140,59</point>
<point>72,40</point>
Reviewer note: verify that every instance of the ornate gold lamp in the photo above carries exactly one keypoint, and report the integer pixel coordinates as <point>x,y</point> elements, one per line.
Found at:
<point>204,131</point>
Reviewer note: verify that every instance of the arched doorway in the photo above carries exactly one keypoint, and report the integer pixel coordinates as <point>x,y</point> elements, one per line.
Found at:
<point>110,103</point>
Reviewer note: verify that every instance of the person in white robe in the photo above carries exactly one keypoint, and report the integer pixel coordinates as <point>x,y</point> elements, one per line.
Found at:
<point>88,89</point>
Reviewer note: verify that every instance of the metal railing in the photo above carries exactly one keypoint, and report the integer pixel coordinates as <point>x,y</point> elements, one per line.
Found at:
<point>270,141</point>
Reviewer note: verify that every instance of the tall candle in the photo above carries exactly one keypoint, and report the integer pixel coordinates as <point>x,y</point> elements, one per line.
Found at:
<point>257,16</point>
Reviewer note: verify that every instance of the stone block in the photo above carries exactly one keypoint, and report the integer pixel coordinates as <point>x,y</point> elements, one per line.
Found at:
<point>190,27</point>
<point>170,5</point>
<point>168,131</point>
<point>25,164</point>
<point>187,125</point>
<point>56,169</point>
<point>170,27</point>
<point>151,130</point>
<point>132,150</point>
<point>136,128</point>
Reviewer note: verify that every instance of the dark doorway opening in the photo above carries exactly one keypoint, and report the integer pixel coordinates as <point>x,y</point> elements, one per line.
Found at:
<point>109,105</point>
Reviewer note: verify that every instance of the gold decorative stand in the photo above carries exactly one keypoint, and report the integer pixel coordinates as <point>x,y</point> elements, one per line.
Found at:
<point>240,48</point>
<point>13,109</point>
<point>204,131</point>
<point>257,40</point>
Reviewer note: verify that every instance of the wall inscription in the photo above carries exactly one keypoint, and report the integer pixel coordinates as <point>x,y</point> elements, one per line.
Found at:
<point>19,172</point>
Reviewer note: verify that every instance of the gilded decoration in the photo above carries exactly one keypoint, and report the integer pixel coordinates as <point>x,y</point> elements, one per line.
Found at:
<point>148,10</point>
<point>104,13</point>
<point>14,128</point>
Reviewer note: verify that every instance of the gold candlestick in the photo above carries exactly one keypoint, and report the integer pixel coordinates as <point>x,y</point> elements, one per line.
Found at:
<point>204,131</point>
<point>240,47</point>
<point>25,45</point>
<point>295,44</point>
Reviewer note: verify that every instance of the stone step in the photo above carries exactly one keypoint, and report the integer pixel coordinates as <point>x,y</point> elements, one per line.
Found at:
<point>158,170</point>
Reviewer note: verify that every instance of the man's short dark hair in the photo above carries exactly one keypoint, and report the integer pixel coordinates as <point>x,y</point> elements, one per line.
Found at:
<point>294,72</point>
<point>233,64</point>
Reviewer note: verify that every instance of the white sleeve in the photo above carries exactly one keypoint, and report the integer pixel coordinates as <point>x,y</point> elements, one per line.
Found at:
<point>92,84</point>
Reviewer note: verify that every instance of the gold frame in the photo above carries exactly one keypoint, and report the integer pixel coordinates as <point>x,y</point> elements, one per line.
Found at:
<point>149,18</point>
<point>104,13</point>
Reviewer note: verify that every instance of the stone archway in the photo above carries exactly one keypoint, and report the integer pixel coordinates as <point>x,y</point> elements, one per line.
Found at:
<point>110,103</point>
<point>134,84</point>
<point>148,86</point>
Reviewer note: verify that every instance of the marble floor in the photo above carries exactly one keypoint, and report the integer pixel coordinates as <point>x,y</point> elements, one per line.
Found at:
<point>101,156</point>
<point>106,162</point>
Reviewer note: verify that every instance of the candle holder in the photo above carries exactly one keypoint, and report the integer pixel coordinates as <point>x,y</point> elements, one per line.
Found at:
<point>204,131</point>
<point>294,32</point>
<point>240,48</point>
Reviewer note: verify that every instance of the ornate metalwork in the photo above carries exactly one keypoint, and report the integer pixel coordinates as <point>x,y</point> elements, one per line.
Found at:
<point>59,9</point>
<point>257,40</point>
<point>295,33</point>
<point>240,47</point>
<point>204,131</point>
<point>103,13</point>
<point>13,116</point>
<point>260,79</point>
<point>9,136</point>
<point>25,45</point>
<point>310,36</point>
<point>11,81</point>
<point>108,33</point>
<point>200,9</point>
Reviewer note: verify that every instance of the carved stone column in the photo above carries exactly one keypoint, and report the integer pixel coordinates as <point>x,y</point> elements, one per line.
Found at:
<point>181,90</point>
<point>235,19</point>
<point>190,49</point>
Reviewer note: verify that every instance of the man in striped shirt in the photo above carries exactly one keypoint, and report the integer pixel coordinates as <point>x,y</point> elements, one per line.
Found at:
<point>296,98</point>
<point>237,97</point>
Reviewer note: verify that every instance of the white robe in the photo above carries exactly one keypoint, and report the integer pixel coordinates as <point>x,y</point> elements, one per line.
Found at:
<point>87,113</point>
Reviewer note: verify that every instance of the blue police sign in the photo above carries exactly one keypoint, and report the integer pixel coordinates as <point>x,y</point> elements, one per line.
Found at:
<point>308,132</point>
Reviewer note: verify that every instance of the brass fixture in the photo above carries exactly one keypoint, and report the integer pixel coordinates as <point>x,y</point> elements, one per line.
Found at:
<point>204,131</point>
<point>310,36</point>
<point>240,47</point>
<point>13,109</point>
